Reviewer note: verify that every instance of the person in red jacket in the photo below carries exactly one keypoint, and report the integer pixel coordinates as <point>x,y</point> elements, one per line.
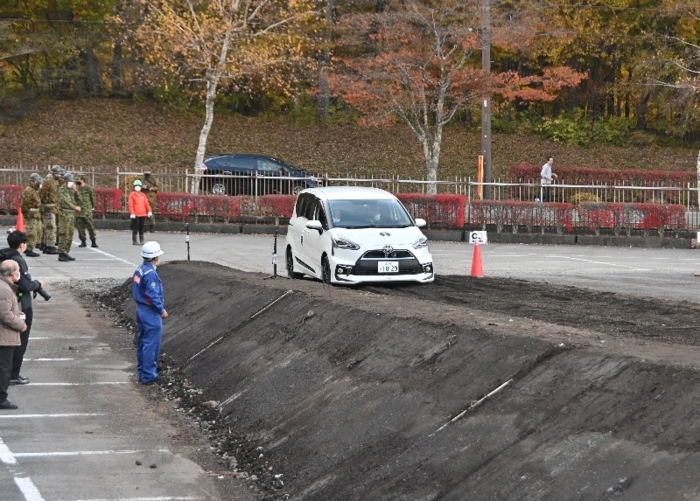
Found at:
<point>139,211</point>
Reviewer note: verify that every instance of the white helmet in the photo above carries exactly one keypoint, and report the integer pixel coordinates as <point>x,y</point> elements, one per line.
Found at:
<point>151,250</point>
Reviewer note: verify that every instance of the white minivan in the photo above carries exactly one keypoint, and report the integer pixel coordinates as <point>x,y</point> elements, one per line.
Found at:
<point>351,235</point>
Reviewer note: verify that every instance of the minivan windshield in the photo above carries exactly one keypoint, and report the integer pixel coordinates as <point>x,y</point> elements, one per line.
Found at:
<point>354,214</point>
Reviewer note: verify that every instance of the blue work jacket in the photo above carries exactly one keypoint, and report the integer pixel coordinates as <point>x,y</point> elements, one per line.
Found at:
<point>147,289</point>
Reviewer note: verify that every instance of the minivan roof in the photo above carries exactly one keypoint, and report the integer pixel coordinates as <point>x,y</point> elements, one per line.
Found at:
<point>349,193</point>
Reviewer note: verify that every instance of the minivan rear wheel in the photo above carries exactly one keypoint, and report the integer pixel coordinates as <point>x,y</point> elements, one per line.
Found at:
<point>289,259</point>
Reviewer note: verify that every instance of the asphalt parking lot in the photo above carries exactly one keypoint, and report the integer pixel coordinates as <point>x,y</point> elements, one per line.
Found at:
<point>83,424</point>
<point>665,273</point>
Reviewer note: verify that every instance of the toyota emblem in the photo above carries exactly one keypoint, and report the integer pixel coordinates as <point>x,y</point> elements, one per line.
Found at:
<point>388,249</point>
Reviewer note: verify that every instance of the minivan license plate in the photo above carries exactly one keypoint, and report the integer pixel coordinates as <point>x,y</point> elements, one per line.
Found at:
<point>388,267</point>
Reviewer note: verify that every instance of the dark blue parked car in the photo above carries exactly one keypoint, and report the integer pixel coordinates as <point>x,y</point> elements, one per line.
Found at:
<point>243,174</point>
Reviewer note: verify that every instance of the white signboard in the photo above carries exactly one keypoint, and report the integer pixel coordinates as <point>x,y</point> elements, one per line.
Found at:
<point>478,237</point>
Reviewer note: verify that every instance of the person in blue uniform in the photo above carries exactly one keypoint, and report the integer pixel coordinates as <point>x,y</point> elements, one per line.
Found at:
<point>147,291</point>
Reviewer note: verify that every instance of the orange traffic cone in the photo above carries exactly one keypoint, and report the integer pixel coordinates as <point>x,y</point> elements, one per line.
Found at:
<point>19,226</point>
<point>477,269</point>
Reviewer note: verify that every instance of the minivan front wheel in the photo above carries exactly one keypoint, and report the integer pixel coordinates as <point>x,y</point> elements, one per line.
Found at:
<point>326,270</point>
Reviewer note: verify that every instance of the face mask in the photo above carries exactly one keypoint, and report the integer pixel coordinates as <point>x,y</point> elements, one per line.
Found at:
<point>70,184</point>
<point>15,277</point>
<point>137,188</point>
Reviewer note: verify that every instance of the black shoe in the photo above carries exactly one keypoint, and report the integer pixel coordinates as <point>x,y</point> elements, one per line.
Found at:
<point>20,380</point>
<point>94,244</point>
<point>152,381</point>
<point>50,250</point>
<point>65,257</point>
<point>31,253</point>
<point>82,244</point>
<point>6,404</point>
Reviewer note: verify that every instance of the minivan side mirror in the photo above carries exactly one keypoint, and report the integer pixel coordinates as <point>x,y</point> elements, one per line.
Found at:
<point>315,225</point>
<point>420,222</point>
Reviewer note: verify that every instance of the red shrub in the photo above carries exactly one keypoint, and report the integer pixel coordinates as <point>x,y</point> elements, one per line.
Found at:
<point>445,210</point>
<point>661,217</point>
<point>217,206</point>
<point>10,197</point>
<point>529,214</point>
<point>108,200</point>
<point>176,206</point>
<point>597,216</point>
<point>277,205</point>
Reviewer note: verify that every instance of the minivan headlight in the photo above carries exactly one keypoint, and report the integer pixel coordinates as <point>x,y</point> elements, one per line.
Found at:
<point>421,243</point>
<point>343,243</point>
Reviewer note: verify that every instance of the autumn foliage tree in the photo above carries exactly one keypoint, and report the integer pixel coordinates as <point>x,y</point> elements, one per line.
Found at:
<point>200,43</point>
<point>419,62</point>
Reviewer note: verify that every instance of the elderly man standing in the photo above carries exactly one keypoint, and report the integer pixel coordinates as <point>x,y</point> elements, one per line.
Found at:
<point>11,324</point>
<point>31,210</point>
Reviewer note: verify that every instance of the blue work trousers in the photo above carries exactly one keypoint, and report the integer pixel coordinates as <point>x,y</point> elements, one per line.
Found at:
<point>150,327</point>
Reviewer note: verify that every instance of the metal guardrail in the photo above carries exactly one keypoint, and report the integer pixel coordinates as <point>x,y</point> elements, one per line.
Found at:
<point>180,180</point>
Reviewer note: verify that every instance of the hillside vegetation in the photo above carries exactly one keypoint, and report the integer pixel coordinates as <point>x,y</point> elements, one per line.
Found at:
<point>105,134</point>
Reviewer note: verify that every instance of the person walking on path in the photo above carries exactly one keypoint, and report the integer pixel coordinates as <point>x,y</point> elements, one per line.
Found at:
<point>11,324</point>
<point>547,175</point>
<point>139,211</point>
<point>85,198</point>
<point>31,210</point>
<point>17,241</point>
<point>67,209</point>
<point>147,291</point>
<point>49,209</point>
<point>150,185</point>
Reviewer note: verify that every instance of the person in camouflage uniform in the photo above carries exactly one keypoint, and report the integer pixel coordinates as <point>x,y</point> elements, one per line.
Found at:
<point>85,198</point>
<point>49,209</point>
<point>150,187</point>
<point>31,210</point>
<point>66,215</point>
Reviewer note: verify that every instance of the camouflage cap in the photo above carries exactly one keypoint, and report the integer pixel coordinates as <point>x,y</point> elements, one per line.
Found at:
<point>68,177</point>
<point>80,175</point>
<point>35,178</point>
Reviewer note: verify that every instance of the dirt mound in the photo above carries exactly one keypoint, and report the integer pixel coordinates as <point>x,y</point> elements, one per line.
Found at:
<point>464,389</point>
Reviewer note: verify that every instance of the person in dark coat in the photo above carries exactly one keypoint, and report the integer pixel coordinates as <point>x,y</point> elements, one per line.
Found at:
<point>26,286</point>
<point>11,324</point>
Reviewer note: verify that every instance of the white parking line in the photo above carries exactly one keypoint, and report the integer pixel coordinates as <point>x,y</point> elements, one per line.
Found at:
<point>6,455</point>
<point>164,498</point>
<point>25,484</point>
<point>112,256</point>
<point>75,384</point>
<point>29,490</point>
<point>28,416</point>
<point>48,359</point>
<point>44,338</point>
<point>600,262</point>
<point>80,453</point>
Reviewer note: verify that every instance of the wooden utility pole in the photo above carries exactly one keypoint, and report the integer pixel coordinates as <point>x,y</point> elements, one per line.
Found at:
<point>486,104</point>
